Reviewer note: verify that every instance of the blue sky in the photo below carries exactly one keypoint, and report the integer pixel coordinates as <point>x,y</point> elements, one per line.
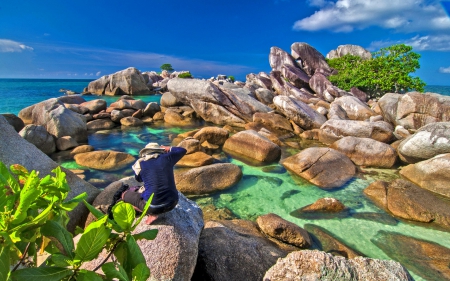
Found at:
<point>88,39</point>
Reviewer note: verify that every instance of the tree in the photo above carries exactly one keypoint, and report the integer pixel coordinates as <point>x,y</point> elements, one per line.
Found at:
<point>387,71</point>
<point>167,66</point>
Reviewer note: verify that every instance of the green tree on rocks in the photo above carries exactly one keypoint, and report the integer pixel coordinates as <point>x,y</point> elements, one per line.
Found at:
<point>388,71</point>
<point>167,66</point>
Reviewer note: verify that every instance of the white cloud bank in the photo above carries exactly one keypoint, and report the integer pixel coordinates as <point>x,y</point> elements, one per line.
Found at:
<point>400,15</point>
<point>419,43</point>
<point>444,70</point>
<point>10,46</point>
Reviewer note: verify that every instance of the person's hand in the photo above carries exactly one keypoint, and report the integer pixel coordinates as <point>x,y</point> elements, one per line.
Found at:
<point>166,148</point>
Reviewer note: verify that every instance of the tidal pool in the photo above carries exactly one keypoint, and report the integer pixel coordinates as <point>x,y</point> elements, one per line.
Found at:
<point>272,189</point>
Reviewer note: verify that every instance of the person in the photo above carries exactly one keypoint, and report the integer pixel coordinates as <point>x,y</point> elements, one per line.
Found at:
<point>155,169</point>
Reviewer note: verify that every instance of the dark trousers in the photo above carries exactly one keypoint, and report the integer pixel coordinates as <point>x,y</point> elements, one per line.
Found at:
<point>135,199</point>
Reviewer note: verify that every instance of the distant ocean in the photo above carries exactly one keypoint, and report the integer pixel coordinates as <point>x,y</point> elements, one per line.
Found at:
<point>16,94</point>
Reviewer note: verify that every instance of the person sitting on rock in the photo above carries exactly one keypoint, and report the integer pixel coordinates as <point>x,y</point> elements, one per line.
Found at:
<point>155,168</point>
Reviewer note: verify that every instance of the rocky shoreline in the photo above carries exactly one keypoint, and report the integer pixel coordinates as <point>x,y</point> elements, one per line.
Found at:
<point>253,121</point>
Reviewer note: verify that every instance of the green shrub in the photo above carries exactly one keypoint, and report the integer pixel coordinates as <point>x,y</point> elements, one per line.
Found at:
<point>387,71</point>
<point>231,78</point>
<point>185,75</point>
<point>166,66</point>
<point>33,219</point>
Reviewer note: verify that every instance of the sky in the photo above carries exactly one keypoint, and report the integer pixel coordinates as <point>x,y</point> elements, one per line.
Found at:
<point>88,39</point>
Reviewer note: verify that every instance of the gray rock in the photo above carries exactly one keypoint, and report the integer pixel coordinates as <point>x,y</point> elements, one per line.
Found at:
<point>125,82</point>
<point>311,60</point>
<point>317,265</point>
<point>213,135</point>
<point>302,94</point>
<point>427,142</point>
<point>14,121</point>
<point>319,83</point>
<point>131,122</point>
<point>94,106</point>
<point>299,112</point>
<point>278,58</point>
<point>169,100</point>
<point>151,109</point>
<point>100,124</point>
<point>388,105</point>
<point>295,75</point>
<point>355,109</point>
<point>265,96</point>
<point>337,112</point>
<point>15,150</point>
<point>105,160</point>
<point>65,143</point>
<point>349,49</point>
<point>39,136</point>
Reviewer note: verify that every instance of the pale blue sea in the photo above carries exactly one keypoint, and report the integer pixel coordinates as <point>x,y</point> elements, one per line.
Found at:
<point>262,190</point>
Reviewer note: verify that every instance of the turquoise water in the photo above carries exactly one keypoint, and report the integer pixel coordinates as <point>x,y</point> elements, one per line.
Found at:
<point>262,190</point>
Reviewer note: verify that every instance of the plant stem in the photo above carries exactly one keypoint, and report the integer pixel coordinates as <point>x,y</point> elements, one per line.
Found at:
<point>109,255</point>
<point>23,257</point>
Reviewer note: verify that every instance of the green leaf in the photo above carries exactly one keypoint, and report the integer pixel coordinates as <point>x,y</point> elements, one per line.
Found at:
<point>111,272</point>
<point>135,252</point>
<point>41,274</point>
<point>4,263</point>
<point>124,214</point>
<point>141,272</point>
<point>7,178</point>
<point>85,275</point>
<point>92,241</point>
<point>71,204</point>
<point>64,240</point>
<point>41,218</point>
<point>98,214</point>
<point>148,234</point>
<point>144,212</point>
<point>28,194</point>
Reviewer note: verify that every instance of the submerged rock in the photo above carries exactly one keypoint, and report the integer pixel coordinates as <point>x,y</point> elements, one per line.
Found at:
<point>316,265</point>
<point>426,259</point>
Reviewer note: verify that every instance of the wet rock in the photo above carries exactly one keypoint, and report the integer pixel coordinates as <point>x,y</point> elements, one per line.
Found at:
<point>234,250</point>
<point>324,167</point>
<point>328,205</point>
<point>151,109</point>
<point>100,124</point>
<point>116,115</point>
<point>39,136</point>
<point>210,212</point>
<point>334,129</point>
<point>82,149</point>
<point>427,142</point>
<point>299,112</point>
<point>408,201</point>
<point>283,230</point>
<point>102,115</point>
<point>252,145</point>
<point>432,174</point>
<point>208,179</point>
<point>65,143</point>
<point>327,242</point>
<point>196,159</point>
<point>367,152</point>
<point>95,106</point>
<point>104,160</point>
<point>426,259</point>
<point>131,122</point>
<point>382,218</point>
<point>316,265</point>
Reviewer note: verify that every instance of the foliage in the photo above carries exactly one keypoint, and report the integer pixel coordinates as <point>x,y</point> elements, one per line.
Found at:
<point>387,71</point>
<point>231,78</point>
<point>167,66</point>
<point>33,220</point>
<point>185,75</point>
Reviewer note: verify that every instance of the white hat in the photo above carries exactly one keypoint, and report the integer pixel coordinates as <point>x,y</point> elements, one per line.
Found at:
<point>151,147</point>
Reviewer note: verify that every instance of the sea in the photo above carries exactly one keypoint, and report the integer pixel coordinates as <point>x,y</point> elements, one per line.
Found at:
<point>262,189</point>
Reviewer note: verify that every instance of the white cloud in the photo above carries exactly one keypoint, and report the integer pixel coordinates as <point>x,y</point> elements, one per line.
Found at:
<point>98,73</point>
<point>419,43</point>
<point>10,46</point>
<point>400,15</point>
<point>444,69</point>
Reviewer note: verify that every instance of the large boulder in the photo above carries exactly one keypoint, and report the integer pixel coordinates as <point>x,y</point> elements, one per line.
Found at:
<point>101,124</point>
<point>311,60</point>
<point>324,167</point>
<point>252,145</point>
<point>432,174</point>
<point>234,250</point>
<point>295,75</point>
<point>335,129</point>
<point>349,49</point>
<point>151,108</point>
<point>175,116</point>
<point>408,201</point>
<point>105,160</point>
<point>388,105</point>
<point>355,109</point>
<point>427,259</point>
<point>278,58</point>
<point>273,122</point>
<point>429,141</point>
<point>15,150</point>
<point>213,135</point>
<point>208,101</point>
<point>196,159</point>
<point>207,179</point>
<point>131,122</point>
<point>172,255</point>
<point>299,112</point>
<point>125,82</point>
<point>283,230</point>
<point>367,152</point>
<point>14,121</point>
<point>264,95</point>
<point>39,136</point>
<point>95,106</point>
<point>416,110</point>
<point>317,265</point>
<point>319,83</point>
<point>65,143</point>
<point>57,119</point>
<point>169,100</point>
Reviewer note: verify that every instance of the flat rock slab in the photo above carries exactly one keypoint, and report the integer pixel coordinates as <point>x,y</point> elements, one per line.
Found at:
<point>104,160</point>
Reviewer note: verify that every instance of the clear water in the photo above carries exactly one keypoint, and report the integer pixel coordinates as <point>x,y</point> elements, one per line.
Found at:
<point>262,190</point>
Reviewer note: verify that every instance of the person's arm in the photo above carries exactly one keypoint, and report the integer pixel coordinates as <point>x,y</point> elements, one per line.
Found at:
<point>175,153</point>
<point>138,177</point>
